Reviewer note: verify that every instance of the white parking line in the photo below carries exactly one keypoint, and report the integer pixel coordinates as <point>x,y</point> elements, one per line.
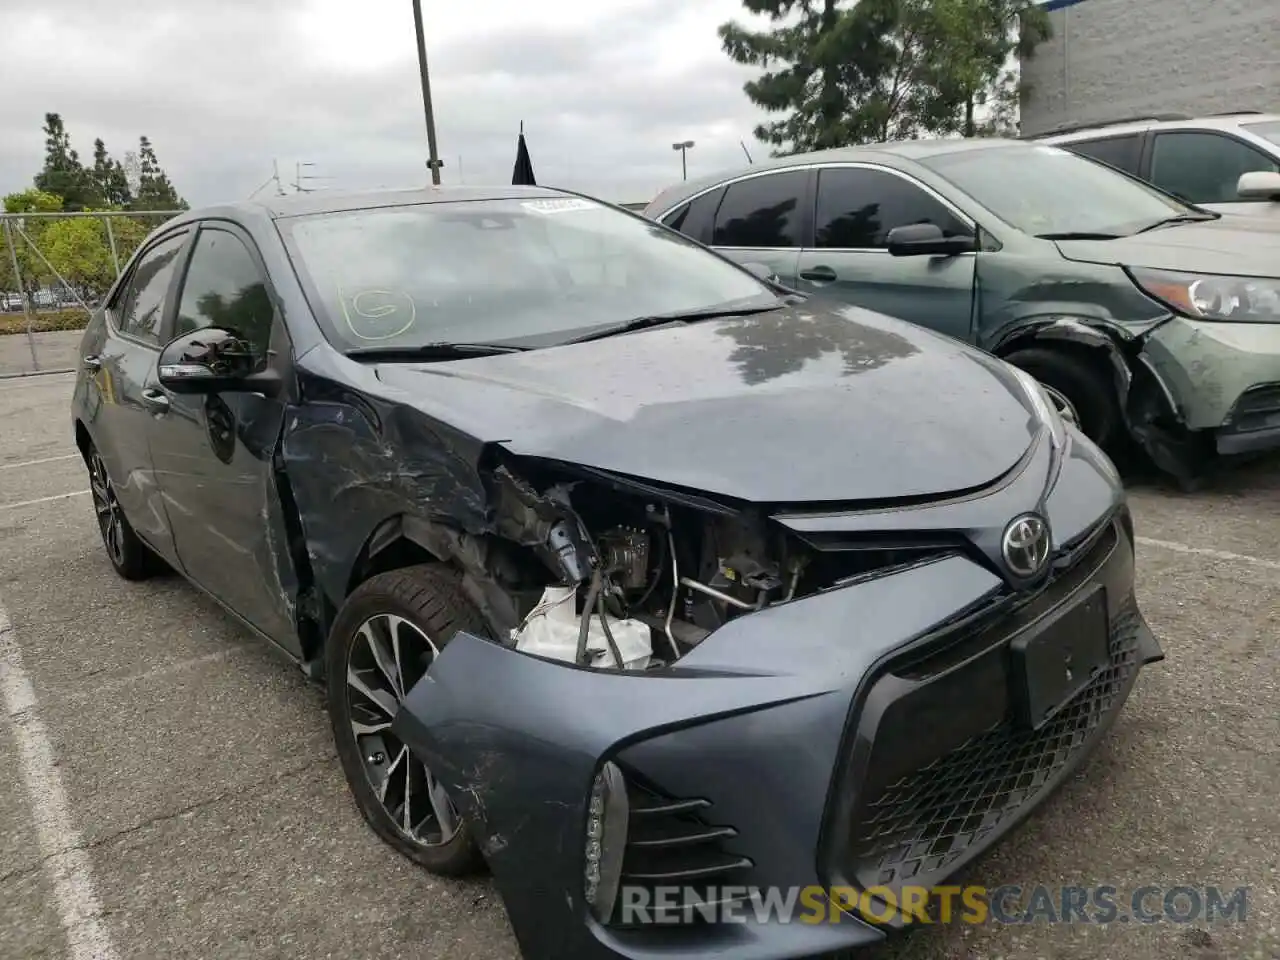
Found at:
<point>36,380</point>
<point>66,865</point>
<point>1170,545</point>
<point>31,503</point>
<point>32,463</point>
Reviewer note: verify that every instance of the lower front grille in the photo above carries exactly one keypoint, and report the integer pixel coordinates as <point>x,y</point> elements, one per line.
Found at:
<point>1257,409</point>
<point>676,854</point>
<point>916,829</point>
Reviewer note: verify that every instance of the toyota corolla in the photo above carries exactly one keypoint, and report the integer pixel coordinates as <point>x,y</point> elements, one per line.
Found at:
<point>630,575</point>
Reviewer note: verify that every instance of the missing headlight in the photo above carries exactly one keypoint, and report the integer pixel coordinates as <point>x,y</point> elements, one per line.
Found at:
<point>658,575</point>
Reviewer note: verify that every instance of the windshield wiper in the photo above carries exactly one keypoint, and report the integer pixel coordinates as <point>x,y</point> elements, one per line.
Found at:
<point>659,319</point>
<point>432,351</point>
<point>1180,218</point>
<point>1079,235</point>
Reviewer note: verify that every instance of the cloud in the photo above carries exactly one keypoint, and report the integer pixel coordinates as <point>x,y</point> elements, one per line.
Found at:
<point>223,87</point>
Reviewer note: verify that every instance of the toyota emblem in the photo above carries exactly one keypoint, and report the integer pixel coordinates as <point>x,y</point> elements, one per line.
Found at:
<point>1025,546</point>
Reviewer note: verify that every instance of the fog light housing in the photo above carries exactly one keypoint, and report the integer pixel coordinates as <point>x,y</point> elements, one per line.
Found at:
<point>607,814</point>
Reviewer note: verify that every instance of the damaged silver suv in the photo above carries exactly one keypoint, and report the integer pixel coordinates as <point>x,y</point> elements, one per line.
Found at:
<point>631,576</point>
<point>1146,318</point>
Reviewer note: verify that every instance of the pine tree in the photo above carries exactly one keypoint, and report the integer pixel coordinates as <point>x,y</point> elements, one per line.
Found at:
<point>63,175</point>
<point>154,191</point>
<point>857,71</point>
<point>813,70</point>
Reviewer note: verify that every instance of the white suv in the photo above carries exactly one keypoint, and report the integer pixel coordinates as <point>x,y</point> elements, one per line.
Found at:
<point>1228,163</point>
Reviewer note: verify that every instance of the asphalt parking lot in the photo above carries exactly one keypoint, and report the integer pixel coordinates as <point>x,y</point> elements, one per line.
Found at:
<point>168,787</point>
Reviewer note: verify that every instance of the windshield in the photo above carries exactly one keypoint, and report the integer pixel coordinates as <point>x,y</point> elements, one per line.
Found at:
<point>519,272</point>
<point>1268,131</point>
<point>1046,190</point>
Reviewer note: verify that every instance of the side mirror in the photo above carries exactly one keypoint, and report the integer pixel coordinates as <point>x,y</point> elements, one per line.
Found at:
<point>1258,185</point>
<point>763,271</point>
<point>926,240</point>
<point>214,360</point>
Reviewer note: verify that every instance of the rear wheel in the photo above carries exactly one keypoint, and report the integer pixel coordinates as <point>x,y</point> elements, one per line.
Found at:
<point>1080,390</point>
<point>384,639</point>
<point>132,558</point>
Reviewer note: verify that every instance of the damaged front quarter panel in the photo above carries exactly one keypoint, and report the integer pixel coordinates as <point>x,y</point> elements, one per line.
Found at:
<point>367,474</point>
<point>1095,308</point>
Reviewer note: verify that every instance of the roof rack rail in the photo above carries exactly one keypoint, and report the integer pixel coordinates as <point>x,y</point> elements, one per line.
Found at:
<point>1098,124</point>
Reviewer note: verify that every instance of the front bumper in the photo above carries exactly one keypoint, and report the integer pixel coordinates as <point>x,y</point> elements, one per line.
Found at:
<point>1223,377</point>
<point>936,775</point>
<point>859,737</point>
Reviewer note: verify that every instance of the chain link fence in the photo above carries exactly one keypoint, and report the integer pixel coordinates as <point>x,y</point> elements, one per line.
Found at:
<point>54,268</point>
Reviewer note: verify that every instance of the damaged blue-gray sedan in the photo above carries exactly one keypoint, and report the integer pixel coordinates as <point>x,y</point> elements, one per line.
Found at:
<point>657,588</point>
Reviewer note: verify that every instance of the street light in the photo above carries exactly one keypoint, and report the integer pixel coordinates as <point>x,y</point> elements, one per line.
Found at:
<point>684,147</point>
<point>434,163</point>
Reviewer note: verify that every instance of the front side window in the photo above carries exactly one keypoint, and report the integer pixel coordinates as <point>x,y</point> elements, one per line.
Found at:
<point>1120,152</point>
<point>694,219</point>
<point>1204,167</point>
<point>858,207</point>
<point>224,288</point>
<point>761,212</point>
<point>142,305</point>
<point>523,272</point>
<point>1045,190</point>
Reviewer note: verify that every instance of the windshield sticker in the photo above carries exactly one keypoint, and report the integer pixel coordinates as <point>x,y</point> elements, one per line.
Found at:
<point>566,205</point>
<point>378,314</point>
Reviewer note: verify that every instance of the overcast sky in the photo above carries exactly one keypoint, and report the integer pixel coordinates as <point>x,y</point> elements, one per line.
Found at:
<point>224,86</point>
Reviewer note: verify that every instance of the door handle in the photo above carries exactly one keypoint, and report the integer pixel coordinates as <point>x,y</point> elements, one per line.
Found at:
<point>818,274</point>
<point>156,400</point>
<point>91,362</point>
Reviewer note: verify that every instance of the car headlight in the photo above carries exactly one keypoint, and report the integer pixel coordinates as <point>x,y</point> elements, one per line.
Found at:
<point>1045,410</point>
<point>608,813</point>
<point>1204,296</point>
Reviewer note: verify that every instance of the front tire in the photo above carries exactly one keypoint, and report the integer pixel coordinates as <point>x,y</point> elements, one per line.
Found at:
<point>383,641</point>
<point>1081,386</point>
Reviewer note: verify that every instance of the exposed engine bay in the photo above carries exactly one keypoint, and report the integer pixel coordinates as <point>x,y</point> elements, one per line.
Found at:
<point>634,581</point>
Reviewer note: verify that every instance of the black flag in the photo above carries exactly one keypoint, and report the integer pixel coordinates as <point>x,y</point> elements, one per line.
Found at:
<point>522,175</point>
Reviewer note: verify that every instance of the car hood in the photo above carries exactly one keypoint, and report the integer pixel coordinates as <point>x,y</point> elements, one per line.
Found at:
<point>796,405</point>
<point>1235,244</point>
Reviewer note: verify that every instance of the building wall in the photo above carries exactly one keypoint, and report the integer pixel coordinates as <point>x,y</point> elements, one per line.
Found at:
<point>1123,58</point>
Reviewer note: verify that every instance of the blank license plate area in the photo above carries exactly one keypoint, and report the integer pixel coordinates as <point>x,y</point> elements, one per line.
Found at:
<point>1054,661</point>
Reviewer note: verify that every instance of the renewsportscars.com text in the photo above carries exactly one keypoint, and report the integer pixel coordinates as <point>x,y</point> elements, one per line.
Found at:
<point>1010,903</point>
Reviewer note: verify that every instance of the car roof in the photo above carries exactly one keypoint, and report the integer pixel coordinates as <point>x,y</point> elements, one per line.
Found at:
<point>1221,121</point>
<point>334,201</point>
<point>890,153</point>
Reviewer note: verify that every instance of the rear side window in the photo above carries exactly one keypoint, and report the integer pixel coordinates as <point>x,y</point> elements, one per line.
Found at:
<point>1204,167</point>
<point>858,207</point>
<point>762,211</point>
<point>224,288</point>
<point>1119,152</point>
<point>142,306</point>
<point>694,219</point>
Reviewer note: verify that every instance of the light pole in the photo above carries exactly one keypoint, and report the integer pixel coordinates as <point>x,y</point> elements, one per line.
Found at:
<point>434,162</point>
<point>684,146</point>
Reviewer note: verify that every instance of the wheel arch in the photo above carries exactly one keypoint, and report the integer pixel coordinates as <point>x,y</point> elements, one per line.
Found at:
<point>406,539</point>
<point>394,542</point>
<point>84,440</point>
<point>1082,338</point>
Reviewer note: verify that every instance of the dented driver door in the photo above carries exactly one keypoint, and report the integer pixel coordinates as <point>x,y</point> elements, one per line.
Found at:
<point>214,453</point>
